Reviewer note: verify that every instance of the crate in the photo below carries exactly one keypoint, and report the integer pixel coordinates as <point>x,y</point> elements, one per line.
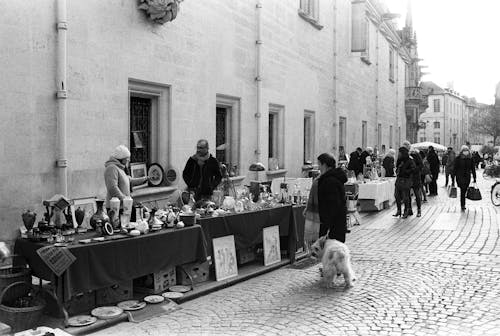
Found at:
<point>246,255</point>
<point>156,282</point>
<point>199,272</point>
<point>115,293</point>
<point>80,303</point>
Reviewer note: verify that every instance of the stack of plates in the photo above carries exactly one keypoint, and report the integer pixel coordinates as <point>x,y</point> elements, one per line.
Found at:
<point>106,313</point>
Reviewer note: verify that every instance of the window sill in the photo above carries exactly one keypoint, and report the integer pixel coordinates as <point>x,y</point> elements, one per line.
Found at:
<point>392,80</point>
<point>148,191</point>
<point>366,60</point>
<point>310,19</point>
<point>276,172</point>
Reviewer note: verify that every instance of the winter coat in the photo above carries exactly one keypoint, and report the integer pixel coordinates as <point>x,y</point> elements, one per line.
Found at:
<point>355,163</point>
<point>202,179</point>
<point>117,181</point>
<point>332,202</point>
<point>363,156</point>
<point>464,167</point>
<point>444,160</point>
<point>450,162</point>
<point>419,166</point>
<point>388,165</point>
<point>434,163</point>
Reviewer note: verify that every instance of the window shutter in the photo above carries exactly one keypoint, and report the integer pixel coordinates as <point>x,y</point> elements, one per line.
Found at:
<point>359,27</point>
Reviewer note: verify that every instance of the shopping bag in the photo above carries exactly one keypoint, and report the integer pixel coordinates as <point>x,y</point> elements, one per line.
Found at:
<point>311,230</point>
<point>473,193</point>
<point>452,192</point>
<point>428,179</point>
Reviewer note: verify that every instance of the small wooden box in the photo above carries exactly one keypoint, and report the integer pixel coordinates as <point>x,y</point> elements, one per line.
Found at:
<point>115,293</point>
<point>199,272</point>
<point>81,303</point>
<point>156,282</point>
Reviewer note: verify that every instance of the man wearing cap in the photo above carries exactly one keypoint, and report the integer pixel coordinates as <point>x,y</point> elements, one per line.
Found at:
<point>202,172</point>
<point>117,181</point>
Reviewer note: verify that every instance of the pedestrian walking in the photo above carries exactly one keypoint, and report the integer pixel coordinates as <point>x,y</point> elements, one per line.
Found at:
<point>426,176</point>
<point>388,163</point>
<point>331,199</point>
<point>444,161</point>
<point>404,170</point>
<point>417,181</point>
<point>449,166</point>
<point>464,167</point>
<point>433,160</point>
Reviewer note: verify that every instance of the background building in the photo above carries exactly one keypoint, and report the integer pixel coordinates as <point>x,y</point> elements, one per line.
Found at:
<point>475,111</point>
<point>276,79</point>
<point>446,118</point>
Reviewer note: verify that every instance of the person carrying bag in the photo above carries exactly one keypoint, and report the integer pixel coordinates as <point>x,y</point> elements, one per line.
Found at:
<point>463,168</point>
<point>473,193</point>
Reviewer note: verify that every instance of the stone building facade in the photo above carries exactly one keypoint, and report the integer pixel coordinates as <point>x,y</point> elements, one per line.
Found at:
<point>258,79</point>
<point>475,110</point>
<point>446,119</point>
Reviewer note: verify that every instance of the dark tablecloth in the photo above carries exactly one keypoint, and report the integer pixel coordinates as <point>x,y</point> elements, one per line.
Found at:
<point>247,227</point>
<point>102,264</point>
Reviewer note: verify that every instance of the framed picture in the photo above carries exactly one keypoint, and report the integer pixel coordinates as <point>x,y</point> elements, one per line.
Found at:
<point>225,258</point>
<point>139,170</point>
<point>89,207</point>
<point>271,239</point>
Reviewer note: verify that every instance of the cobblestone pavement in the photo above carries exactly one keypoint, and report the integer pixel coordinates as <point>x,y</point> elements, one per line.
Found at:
<point>434,275</point>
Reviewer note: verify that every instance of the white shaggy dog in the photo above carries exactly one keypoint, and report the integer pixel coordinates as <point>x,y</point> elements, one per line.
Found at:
<point>336,260</point>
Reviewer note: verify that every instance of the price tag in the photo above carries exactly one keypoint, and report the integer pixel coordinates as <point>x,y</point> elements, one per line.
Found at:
<point>58,259</point>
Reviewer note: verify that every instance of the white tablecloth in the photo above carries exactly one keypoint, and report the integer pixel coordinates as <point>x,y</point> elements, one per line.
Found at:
<point>379,191</point>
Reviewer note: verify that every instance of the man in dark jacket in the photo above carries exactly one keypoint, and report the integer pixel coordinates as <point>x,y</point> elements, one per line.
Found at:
<point>331,199</point>
<point>202,172</point>
<point>355,162</point>
<point>434,163</point>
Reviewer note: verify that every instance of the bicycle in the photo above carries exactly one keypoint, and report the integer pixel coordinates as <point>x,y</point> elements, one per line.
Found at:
<point>493,171</point>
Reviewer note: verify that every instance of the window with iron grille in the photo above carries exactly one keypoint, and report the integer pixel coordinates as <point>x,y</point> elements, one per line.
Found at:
<point>310,8</point>
<point>437,105</point>
<point>309,136</point>
<point>342,131</point>
<point>221,135</point>
<point>276,134</point>
<point>140,128</point>
<point>391,65</point>
<point>437,124</point>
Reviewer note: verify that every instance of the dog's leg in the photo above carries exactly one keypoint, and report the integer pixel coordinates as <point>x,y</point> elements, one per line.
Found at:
<point>349,278</point>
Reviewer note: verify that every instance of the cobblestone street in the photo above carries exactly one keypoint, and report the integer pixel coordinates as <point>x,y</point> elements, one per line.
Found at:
<point>434,275</point>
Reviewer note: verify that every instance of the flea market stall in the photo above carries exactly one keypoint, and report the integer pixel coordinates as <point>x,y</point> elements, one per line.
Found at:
<point>94,258</point>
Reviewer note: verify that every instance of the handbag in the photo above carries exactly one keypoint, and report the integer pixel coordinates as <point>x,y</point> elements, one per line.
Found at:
<point>473,193</point>
<point>427,178</point>
<point>452,192</point>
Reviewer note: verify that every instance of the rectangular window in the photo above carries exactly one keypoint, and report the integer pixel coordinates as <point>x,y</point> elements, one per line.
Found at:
<point>437,105</point>
<point>364,135</point>
<point>422,139</point>
<point>276,134</point>
<point>437,137</point>
<point>148,118</point>
<point>360,26</point>
<point>227,137</point>
<point>309,136</point>
<point>391,65</point>
<point>342,131</point>
<point>310,8</point>
<point>437,124</point>
<point>379,136</point>
<point>399,137</point>
<point>390,136</point>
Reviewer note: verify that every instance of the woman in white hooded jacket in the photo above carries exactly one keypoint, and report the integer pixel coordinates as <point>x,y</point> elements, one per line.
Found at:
<point>117,181</point>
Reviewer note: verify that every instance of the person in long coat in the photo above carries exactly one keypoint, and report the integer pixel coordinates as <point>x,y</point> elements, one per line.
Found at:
<point>417,180</point>
<point>331,198</point>
<point>404,181</point>
<point>448,170</point>
<point>464,167</point>
<point>434,163</point>
<point>388,163</point>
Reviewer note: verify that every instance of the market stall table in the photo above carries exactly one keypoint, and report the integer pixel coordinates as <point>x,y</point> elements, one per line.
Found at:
<point>247,227</point>
<point>102,264</point>
<point>376,195</point>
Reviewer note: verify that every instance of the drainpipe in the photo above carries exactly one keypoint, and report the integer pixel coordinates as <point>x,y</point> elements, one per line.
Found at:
<point>62,93</point>
<point>336,132</point>
<point>258,78</point>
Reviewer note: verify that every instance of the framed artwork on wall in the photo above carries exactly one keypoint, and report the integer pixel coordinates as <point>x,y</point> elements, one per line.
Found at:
<point>139,170</point>
<point>81,211</point>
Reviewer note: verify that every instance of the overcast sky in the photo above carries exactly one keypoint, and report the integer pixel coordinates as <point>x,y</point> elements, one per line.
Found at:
<point>459,41</point>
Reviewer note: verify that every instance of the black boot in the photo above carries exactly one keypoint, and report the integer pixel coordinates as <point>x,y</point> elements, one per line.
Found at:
<point>419,213</point>
<point>406,214</point>
<point>397,214</point>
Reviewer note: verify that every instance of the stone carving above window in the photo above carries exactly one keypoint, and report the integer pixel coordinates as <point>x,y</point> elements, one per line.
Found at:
<point>160,11</point>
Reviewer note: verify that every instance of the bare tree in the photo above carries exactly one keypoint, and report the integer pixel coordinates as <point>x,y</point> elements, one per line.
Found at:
<point>488,123</point>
